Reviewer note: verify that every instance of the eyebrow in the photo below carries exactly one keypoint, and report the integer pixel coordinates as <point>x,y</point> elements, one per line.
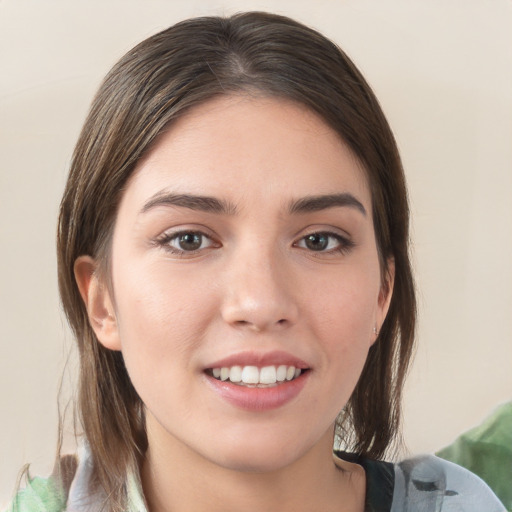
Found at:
<point>323,202</point>
<point>213,205</point>
<point>193,202</point>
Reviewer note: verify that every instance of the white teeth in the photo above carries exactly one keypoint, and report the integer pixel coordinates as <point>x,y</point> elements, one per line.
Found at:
<point>281,373</point>
<point>268,375</point>
<point>235,374</point>
<point>252,375</point>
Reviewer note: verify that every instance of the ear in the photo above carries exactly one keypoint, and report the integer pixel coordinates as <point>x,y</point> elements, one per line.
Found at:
<point>386,292</point>
<point>98,302</point>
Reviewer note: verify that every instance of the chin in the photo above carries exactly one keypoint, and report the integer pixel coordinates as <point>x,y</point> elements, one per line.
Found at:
<point>257,454</point>
<point>256,461</point>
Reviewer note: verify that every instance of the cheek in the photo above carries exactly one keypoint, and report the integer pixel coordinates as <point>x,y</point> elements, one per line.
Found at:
<point>160,329</point>
<point>344,315</point>
<point>347,304</point>
<point>158,310</point>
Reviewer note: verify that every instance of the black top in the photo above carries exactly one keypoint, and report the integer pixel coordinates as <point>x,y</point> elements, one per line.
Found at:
<point>380,481</point>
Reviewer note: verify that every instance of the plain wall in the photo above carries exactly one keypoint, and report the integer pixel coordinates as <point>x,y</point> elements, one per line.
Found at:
<point>443,73</point>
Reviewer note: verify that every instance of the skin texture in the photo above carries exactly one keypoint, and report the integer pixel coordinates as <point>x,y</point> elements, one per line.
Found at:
<point>254,286</point>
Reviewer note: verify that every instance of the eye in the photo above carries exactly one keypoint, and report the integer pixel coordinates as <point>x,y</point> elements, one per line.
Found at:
<point>188,241</point>
<point>325,242</point>
<point>184,242</point>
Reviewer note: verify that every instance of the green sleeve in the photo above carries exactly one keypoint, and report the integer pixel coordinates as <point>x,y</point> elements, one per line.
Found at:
<point>487,451</point>
<point>40,495</point>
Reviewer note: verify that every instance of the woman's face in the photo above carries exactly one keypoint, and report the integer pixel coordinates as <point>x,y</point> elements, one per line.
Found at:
<point>243,248</point>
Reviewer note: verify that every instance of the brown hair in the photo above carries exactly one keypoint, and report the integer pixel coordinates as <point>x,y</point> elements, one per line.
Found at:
<point>150,87</point>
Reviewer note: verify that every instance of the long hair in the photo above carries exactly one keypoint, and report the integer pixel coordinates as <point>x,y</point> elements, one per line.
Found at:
<point>150,87</point>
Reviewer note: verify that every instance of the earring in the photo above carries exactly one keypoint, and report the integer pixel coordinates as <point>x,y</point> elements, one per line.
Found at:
<point>375,331</point>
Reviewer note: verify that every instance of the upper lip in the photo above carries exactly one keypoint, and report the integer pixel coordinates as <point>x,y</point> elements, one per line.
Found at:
<point>274,358</point>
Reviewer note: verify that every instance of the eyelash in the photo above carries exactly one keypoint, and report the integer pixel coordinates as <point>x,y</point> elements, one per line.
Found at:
<point>344,245</point>
<point>165,240</point>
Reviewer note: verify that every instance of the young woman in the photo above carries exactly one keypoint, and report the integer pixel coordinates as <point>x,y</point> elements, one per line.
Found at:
<point>233,260</point>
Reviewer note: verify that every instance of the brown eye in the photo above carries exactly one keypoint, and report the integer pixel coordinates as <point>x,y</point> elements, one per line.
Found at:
<point>184,242</point>
<point>317,241</point>
<point>325,242</point>
<point>189,241</point>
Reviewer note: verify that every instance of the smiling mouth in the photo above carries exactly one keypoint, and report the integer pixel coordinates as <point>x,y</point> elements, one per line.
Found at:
<point>253,376</point>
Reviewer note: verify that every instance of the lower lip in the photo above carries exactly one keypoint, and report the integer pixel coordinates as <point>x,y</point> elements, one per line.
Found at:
<point>259,399</point>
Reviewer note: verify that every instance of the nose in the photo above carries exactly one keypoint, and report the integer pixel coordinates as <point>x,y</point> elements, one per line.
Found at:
<point>260,293</point>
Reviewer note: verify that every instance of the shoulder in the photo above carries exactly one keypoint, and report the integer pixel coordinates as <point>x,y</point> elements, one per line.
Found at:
<point>46,494</point>
<point>493,435</point>
<point>41,495</point>
<point>68,488</point>
<point>430,483</point>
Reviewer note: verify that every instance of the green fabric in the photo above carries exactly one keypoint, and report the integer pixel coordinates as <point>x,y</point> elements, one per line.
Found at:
<point>487,451</point>
<point>40,495</point>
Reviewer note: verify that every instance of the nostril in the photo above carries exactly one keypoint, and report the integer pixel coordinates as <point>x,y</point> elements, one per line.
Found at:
<point>259,326</point>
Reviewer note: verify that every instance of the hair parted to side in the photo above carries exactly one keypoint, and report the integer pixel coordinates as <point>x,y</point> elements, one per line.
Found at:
<point>150,87</point>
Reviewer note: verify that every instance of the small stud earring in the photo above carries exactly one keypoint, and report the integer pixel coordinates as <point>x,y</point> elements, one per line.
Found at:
<point>375,331</point>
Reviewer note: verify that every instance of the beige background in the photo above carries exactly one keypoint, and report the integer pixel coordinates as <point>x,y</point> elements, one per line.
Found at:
<point>443,72</point>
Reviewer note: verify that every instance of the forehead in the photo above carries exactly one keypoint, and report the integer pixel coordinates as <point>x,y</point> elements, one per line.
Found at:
<point>250,147</point>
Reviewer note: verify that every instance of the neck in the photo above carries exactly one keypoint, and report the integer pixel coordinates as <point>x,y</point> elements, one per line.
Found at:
<point>176,479</point>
